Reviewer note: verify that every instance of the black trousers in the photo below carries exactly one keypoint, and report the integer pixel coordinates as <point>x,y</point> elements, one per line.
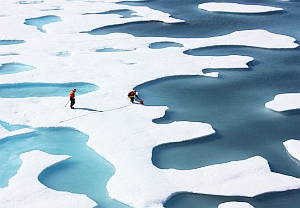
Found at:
<point>132,99</point>
<point>72,102</point>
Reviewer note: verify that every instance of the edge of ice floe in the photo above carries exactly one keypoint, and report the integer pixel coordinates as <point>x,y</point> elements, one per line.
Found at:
<point>251,177</point>
<point>284,102</point>
<point>293,148</point>
<point>36,194</point>
<point>5,133</point>
<point>236,8</point>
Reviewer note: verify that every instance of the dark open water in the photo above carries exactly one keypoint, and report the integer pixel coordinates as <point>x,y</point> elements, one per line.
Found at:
<point>233,103</point>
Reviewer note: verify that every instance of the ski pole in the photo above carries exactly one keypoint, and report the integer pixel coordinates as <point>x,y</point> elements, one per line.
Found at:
<point>67,103</point>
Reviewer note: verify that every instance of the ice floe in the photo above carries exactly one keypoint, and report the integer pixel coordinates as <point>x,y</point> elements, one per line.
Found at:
<point>235,205</point>
<point>293,148</point>
<point>236,8</point>
<point>284,102</point>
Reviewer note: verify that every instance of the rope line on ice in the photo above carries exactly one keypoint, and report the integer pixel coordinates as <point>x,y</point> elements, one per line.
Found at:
<point>97,111</point>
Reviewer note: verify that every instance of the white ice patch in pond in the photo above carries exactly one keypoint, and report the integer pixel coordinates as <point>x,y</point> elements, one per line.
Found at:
<point>293,148</point>
<point>26,191</point>
<point>235,205</point>
<point>236,8</point>
<point>127,135</point>
<point>284,102</point>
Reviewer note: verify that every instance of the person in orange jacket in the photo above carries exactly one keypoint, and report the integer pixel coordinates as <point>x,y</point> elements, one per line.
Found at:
<point>72,98</point>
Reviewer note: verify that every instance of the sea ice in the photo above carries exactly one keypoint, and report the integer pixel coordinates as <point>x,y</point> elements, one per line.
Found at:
<point>293,148</point>
<point>285,102</point>
<point>123,134</point>
<point>236,8</point>
<point>235,205</point>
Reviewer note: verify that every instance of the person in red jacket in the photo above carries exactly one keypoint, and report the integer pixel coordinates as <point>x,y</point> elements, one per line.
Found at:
<point>133,94</point>
<point>72,98</point>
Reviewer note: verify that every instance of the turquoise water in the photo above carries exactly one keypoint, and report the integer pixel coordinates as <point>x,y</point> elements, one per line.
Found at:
<point>39,22</point>
<point>85,172</point>
<point>22,90</point>
<point>9,127</point>
<point>11,68</point>
<point>11,42</point>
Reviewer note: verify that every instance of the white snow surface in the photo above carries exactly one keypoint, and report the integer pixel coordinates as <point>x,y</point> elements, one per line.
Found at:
<point>235,205</point>
<point>236,8</point>
<point>123,134</point>
<point>284,102</point>
<point>293,148</point>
